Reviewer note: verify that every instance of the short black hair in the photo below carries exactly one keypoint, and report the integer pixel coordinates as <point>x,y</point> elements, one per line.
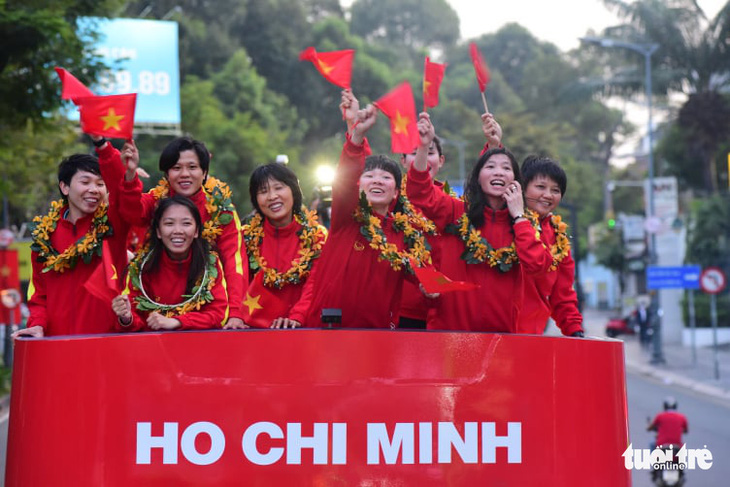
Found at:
<point>171,153</point>
<point>381,161</point>
<point>534,166</point>
<point>75,163</point>
<point>274,170</point>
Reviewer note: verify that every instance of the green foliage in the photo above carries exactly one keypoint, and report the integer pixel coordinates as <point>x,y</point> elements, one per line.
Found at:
<point>412,23</point>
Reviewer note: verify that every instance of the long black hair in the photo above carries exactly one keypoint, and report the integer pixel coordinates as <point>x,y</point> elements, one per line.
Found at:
<point>476,200</point>
<point>260,179</point>
<point>199,249</point>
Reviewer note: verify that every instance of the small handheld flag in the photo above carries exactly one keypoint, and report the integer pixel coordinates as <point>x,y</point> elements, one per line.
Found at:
<point>399,107</point>
<point>334,66</point>
<point>110,116</point>
<point>433,74</point>
<point>481,70</point>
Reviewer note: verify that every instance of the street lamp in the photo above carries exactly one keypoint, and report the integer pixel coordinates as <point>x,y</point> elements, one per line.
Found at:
<point>646,50</point>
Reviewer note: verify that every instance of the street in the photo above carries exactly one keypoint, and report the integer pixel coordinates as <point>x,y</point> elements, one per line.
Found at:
<point>708,425</point>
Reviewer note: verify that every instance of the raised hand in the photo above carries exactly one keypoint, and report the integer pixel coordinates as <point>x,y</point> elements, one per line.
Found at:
<point>492,130</point>
<point>130,159</point>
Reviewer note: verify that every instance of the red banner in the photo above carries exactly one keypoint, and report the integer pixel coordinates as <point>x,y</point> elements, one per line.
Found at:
<point>317,407</point>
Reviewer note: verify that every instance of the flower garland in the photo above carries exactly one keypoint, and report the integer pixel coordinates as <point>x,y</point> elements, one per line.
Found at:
<point>85,248</point>
<point>479,250</point>
<point>411,224</point>
<point>218,204</point>
<point>561,248</point>
<point>200,295</point>
<point>311,240</point>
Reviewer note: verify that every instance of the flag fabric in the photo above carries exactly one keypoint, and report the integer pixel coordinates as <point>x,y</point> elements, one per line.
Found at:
<point>110,116</point>
<point>480,67</point>
<point>434,281</point>
<point>335,66</point>
<point>104,281</point>
<point>433,74</point>
<point>71,88</point>
<point>261,305</point>
<point>399,107</point>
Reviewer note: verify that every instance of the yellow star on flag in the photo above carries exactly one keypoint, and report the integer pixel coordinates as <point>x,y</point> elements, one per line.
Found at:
<point>114,276</point>
<point>324,67</point>
<point>5,271</point>
<point>252,303</point>
<point>111,119</point>
<point>400,123</point>
<point>427,86</point>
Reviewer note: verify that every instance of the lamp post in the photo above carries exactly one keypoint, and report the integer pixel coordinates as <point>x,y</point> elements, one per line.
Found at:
<point>646,50</point>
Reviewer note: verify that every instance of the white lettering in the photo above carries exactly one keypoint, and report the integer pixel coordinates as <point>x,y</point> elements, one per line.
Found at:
<point>378,440</point>
<point>339,444</point>
<point>250,436</point>
<point>425,443</point>
<point>513,442</point>
<point>295,442</point>
<point>217,443</point>
<point>146,442</point>
<point>467,447</point>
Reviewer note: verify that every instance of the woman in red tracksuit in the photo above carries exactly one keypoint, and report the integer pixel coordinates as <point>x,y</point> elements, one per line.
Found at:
<point>486,239</point>
<point>283,241</point>
<point>177,283</point>
<point>373,233</point>
<point>186,162</point>
<point>550,293</point>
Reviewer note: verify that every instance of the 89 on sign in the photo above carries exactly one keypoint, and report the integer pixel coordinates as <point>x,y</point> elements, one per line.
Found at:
<point>144,83</point>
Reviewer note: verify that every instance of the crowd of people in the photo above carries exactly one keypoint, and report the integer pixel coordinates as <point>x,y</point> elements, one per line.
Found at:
<point>198,266</point>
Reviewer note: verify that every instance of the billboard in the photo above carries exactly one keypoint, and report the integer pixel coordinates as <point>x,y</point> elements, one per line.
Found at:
<point>322,407</point>
<point>143,55</point>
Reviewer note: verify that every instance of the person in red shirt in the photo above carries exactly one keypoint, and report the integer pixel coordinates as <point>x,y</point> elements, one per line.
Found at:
<point>177,282</point>
<point>485,239</point>
<point>414,303</point>
<point>373,233</point>
<point>549,294</point>
<point>65,252</point>
<point>185,163</point>
<point>669,425</point>
<point>283,240</point>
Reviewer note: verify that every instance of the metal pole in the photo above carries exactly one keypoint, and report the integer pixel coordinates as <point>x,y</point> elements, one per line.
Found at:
<point>657,354</point>
<point>693,325</point>
<point>713,317</point>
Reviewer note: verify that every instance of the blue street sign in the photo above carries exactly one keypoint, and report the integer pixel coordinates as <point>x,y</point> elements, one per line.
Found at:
<point>684,277</point>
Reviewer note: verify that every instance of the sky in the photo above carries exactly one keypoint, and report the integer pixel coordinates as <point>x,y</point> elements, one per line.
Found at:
<point>561,22</point>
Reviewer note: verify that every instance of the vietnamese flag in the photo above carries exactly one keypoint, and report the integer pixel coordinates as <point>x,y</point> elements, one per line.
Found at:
<point>111,116</point>
<point>103,283</point>
<point>72,89</point>
<point>261,305</point>
<point>335,66</point>
<point>434,281</point>
<point>399,107</point>
<point>433,74</point>
<point>480,67</point>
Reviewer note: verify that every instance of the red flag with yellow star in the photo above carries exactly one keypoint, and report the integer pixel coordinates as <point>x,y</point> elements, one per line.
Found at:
<point>261,305</point>
<point>480,67</point>
<point>104,282</point>
<point>434,281</point>
<point>71,88</point>
<point>110,116</point>
<point>399,107</point>
<point>433,74</point>
<point>335,66</point>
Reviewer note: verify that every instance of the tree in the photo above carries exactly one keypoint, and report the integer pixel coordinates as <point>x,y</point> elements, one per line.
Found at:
<point>416,24</point>
<point>693,58</point>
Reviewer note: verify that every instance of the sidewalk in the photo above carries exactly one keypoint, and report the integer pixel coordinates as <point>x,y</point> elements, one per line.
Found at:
<point>678,369</point>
